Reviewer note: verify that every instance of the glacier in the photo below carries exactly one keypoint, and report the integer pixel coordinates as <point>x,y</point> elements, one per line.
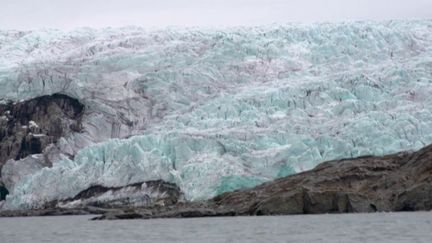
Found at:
<point>215,110</point>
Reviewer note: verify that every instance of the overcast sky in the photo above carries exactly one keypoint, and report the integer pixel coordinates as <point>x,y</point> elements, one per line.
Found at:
<point>70,14</point>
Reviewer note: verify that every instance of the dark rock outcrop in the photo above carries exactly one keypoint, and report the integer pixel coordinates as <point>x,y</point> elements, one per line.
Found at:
<point>398,182</point>
<point>3,192</point>
<point>28,127</point>
<point>141,194</point>
<point>46,212</point>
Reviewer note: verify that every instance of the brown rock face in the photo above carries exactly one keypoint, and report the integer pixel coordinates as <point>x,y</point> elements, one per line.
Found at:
<point>28,127</point>
<point>399,182</point>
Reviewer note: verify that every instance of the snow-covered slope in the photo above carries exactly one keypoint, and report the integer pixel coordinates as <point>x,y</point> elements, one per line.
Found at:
<point>218,110</point>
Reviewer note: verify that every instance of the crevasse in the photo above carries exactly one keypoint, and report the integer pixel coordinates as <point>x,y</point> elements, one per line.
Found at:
<point>219,110</point>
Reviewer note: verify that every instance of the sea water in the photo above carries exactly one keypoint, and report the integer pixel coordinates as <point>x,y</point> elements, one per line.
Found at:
<point>375,227</point>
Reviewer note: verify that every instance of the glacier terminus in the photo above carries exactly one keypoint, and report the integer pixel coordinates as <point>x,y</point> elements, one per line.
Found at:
<point>215,110</point>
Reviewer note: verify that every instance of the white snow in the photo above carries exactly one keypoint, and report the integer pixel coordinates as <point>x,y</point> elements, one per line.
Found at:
<point>32,124</point>
<point>38,135</point>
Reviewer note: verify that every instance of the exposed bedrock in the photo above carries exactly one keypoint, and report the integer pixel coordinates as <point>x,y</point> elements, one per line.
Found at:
<point>28,127</point>
<point>143,194</point>
<point>3,191</point>
<point>31,128</point>
<point>398,182</point>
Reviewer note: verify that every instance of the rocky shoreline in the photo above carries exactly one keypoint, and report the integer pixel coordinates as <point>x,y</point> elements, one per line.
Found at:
<point>397,182</point>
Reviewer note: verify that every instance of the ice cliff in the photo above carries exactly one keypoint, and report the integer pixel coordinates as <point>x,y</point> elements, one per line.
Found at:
<point>218,110</point>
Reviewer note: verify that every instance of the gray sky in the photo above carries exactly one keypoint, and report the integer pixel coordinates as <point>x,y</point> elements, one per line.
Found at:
<point>69,14</point>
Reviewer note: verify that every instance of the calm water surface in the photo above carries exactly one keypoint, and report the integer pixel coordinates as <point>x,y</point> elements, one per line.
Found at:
<point>379,227</point>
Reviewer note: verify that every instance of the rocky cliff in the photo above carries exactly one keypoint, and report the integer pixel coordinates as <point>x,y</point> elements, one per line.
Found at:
<point>28,127</point>
<point>398,182</point>
<point>29,131</point>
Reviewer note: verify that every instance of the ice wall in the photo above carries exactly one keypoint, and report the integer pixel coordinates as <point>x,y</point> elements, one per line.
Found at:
<point>218,110</point>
